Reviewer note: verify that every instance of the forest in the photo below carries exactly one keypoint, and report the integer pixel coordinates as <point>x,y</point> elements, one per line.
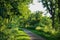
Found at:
<point>15,18</point>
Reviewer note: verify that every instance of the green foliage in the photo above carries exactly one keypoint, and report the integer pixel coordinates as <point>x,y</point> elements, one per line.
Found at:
<point>53,8</point>
<point>13,34</point>
<point>10,19</point>
<point>46,35</point>
<point>10,7</point>
<point>15,14</point>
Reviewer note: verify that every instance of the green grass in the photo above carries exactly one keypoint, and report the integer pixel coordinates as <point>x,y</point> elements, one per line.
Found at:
<point>48,36</point>
<point>14,34</point>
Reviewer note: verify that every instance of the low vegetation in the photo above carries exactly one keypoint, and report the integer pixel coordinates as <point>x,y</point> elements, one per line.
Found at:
<point>46,35</point>
<point>15,14</point>
<point>13,34</point>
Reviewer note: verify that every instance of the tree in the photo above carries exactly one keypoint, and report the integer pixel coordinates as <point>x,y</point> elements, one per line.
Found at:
<point>51,6</point>
<point>59,10</point>
<point>10,15</point>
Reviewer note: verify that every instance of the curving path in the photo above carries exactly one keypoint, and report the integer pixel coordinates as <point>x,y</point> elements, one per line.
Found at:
<point>32,35</point>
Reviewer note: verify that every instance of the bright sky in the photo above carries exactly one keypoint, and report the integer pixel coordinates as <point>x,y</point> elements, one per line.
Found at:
<point>36,6</point>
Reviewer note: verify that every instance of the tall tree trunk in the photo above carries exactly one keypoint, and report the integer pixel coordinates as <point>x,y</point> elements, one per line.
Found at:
<point>59,10</point>
<point>59,15</point>
<point>52,12</point>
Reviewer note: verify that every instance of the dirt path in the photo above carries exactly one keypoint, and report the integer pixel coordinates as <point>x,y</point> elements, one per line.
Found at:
<point>32,35</point>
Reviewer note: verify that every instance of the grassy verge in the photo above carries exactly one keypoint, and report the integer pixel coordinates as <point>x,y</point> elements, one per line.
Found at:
<point>48,36</point>
<point>14,34</point>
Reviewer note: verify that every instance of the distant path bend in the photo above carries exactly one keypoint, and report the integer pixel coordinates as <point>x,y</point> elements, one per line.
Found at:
<point>32,35</point>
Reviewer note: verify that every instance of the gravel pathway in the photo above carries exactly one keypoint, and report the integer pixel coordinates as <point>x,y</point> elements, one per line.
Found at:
<point>33,36</point>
